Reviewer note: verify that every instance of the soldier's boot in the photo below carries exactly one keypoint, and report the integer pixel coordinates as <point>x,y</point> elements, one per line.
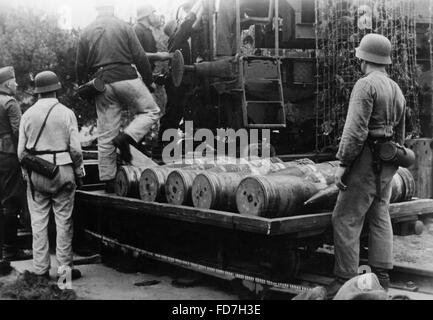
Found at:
<point>382,276</point>
<point>11,251</point>
<point>122,142</point>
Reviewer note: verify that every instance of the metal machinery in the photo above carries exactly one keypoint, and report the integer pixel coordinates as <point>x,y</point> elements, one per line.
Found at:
<point>269,85</point>
<point>256,68</point>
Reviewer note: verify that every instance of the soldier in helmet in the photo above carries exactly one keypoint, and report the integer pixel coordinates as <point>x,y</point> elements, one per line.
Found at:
<point>11,181</point>
<point>49,131</point>
<point>376,114</point>
<point>146,20</point>
<point>109,49</point>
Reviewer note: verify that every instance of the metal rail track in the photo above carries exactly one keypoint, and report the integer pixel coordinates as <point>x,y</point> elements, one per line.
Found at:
<point>216,272</point>
<point>416,284</point>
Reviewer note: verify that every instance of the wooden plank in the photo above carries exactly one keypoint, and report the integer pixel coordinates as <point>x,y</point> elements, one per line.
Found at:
<point>316,157</point>
<point>140,160</point>
<point>186,214</point>
<point>416,207</point>
<point>253,224</point>
<point>295,225</point>
<point>93,187</point>
<point>323,220</point>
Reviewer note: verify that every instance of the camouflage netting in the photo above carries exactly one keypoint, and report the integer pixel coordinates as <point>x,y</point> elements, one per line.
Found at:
<point>340,26</point>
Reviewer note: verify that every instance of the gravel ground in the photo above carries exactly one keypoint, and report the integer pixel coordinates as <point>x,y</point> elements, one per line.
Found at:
<point>100,282</point>
<point>415,251</point>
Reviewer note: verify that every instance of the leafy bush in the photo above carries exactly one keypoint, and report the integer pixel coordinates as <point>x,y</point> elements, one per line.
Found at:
<point>33,42</point>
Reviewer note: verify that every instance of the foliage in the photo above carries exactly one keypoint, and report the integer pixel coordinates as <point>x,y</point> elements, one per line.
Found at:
<point>340,25</point>
<point>32,42</point>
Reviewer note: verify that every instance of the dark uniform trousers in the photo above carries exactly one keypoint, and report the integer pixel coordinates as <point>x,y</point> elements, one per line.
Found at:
<point>12,194</point>
<point>359,202</point>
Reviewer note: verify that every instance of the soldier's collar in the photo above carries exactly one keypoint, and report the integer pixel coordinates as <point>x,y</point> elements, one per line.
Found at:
<point>373,71</point>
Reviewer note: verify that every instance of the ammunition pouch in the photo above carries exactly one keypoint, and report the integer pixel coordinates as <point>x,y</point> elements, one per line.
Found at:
<point>33,163</point>
<point>91,89</point>
<point>391,152</point>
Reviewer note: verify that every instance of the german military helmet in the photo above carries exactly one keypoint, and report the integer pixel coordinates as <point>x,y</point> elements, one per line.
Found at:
<point>374,48</point>
<point>46,81</point>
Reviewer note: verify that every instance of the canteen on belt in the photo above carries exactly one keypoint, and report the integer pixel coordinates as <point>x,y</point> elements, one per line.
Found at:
<point>392,152</point>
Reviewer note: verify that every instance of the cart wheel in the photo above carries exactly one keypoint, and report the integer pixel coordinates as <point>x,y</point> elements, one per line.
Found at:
<point>247,290</point>
<point>286,266</point>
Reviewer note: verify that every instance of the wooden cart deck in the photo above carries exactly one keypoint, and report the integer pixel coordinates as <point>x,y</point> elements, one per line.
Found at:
<point>300,225</point>
<point>228,241</point>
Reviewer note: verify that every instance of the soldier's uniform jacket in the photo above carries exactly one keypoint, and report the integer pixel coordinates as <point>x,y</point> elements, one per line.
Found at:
<point>376,109</point>
<point>145,36</point>
<point>111,44</point>
<point>10,116</point>
<point>60,133</point>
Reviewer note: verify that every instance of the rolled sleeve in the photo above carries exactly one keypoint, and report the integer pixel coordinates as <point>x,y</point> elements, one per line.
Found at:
<point>355,131</point>
<point>75,146</point>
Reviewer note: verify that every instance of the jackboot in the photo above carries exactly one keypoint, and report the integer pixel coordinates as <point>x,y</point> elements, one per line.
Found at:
<point>11,251</point>
<point>122,142</point>
<point>382,276</point>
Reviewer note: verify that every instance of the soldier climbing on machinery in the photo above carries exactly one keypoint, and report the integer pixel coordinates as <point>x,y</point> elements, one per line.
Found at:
<point>107,50</point>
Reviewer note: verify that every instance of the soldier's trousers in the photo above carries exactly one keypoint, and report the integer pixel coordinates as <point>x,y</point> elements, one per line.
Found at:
<point>358,203</point>
<point>12,198</point>
<point>134,96</point>
<point>57,195</point>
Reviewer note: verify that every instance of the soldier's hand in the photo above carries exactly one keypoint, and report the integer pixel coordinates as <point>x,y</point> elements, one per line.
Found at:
<point>339,176</point>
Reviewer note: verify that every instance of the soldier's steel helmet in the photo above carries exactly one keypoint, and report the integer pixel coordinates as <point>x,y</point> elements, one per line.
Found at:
<point>374,48</point>
<point>145,10</point>
<point>46,81</point>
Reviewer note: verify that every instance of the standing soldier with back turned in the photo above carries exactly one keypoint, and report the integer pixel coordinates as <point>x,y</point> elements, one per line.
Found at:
<point>376,115</point>
<point>11,181</point>
<point>49,132</point>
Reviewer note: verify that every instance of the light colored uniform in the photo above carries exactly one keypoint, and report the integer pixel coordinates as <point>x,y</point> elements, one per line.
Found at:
<point>376,109</point>
<point>60,133</point>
